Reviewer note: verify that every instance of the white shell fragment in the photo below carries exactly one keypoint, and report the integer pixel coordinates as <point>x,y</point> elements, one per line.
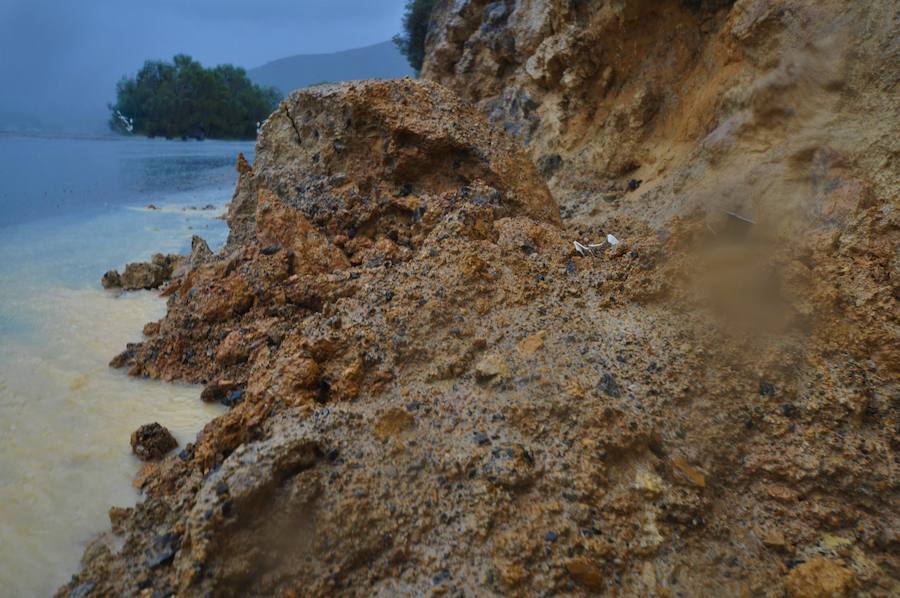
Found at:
<point>582,249</point>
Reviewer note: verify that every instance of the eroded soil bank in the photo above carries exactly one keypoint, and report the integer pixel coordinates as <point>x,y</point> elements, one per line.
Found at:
<point>434,390</point>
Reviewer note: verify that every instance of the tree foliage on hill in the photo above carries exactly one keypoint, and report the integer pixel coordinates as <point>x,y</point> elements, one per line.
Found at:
<point>183,99</point>
<point>415,29</point>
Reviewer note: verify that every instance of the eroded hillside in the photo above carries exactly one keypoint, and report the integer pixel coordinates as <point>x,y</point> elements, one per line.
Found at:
<point>434,390</point>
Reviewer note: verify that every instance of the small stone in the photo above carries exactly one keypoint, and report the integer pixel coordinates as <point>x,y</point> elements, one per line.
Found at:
<point>162,552</point>
<point>217,390</point>
<point>697,478</point>
<point>441,577</point>
<point>819,578</point>
<point>117,518</point>
<point>586,574</point>
<point>243,166</point>
<point>774,539</point>
<point>491,367</point>
<point>393,423</point>
<point>232,398</point>
<point>300,373</point>
<point>510,466</point>
<point>271,249</point>
<point>233,349</point>
<point>151,442</point>
<point>550,536</point>
<point>647,481</point>
<point>609,386</point>
<point>82,590</point>
<point>767,389</point>
<point>532,344</point>
<point>111,280</point>
<point>481,438</point>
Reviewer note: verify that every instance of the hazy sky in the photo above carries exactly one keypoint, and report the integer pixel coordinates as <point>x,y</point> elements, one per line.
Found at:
<point>62,58</point>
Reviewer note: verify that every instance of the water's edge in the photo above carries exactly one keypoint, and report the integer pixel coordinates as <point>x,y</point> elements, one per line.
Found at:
<point>65,416</point>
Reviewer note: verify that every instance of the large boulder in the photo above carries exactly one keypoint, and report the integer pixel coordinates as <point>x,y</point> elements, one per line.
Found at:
<point>385,156</point>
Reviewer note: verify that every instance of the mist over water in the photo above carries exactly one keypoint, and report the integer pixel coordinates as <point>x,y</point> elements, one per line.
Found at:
<point>60,60</point>
<point>71,209</point>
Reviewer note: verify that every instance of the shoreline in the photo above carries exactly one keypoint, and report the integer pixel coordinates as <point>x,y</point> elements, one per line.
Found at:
<point>66,415</point>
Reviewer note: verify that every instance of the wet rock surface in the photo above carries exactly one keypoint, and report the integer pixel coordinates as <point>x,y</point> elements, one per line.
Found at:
<point>433,392</point>
<point>144,275</point>
<point>152,442</point>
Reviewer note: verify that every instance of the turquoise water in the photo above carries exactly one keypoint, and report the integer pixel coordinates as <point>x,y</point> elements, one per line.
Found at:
<point>69,210</point>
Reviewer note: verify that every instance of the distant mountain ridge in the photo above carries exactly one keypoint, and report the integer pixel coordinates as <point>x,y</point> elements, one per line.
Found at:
<point>381,61</point>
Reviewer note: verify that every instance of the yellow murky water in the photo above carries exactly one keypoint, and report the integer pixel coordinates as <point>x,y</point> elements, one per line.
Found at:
<point>70,209</point>
<point>65,423</point>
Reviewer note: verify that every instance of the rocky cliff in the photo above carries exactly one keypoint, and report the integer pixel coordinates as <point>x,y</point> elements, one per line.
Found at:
<point>683,383</point>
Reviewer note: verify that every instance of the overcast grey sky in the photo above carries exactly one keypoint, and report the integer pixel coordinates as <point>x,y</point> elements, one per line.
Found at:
<point>62,58</point>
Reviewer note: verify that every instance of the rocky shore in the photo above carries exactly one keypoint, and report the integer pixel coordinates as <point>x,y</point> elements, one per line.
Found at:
<point>606,304</point>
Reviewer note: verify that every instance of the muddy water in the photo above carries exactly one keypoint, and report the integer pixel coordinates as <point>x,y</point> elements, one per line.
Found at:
<point>65,417</point>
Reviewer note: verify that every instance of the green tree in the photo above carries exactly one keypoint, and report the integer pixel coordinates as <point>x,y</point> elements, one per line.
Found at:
<point>415,31</point>
<point>183,99</point>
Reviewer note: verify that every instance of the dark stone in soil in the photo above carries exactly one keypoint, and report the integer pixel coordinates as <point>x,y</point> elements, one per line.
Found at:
<point>609,386</point>
<point>162,552</point>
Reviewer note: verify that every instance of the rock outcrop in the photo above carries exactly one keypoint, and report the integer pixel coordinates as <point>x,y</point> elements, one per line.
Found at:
<point>145,275</point>
<point>433,389</point>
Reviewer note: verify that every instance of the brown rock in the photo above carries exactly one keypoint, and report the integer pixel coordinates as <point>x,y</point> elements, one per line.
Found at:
<point>691,473</point>
<point>111,280</point>
<point>233,349</point>
<point>393,423</point>
<point>532,344</point>
<point>151,442</point>
<point>774,539</point>
<point>586,573</point>
<point>143,275</point>
<point>819,578</point>
<point>299,373</point>
<point>117,518</point>
<point>281,225</point>
<point>492,367</point>
<point>388,140</point>
<point>243,166</point>
<point>217,390</point>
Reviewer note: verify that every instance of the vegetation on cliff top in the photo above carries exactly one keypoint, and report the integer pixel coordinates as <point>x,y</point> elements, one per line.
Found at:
<point>183,99</point>
<point>415,29</point>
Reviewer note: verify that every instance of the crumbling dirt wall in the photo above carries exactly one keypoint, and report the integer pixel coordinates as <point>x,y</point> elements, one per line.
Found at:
<point>432,390</point>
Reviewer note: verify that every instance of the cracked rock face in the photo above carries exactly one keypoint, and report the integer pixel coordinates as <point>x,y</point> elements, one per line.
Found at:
<point>385,158</point>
